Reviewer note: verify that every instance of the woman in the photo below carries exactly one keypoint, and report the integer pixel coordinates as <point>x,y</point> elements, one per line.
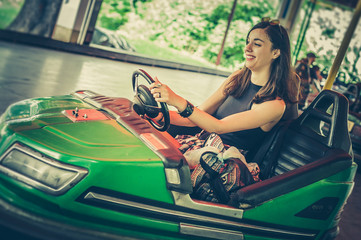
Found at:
<point>252,100</point>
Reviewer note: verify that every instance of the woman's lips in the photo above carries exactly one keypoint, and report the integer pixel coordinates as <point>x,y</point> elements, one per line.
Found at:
<point>250,57</point>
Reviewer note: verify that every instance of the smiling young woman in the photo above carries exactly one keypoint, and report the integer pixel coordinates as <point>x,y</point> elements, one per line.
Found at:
<point>252,100</point>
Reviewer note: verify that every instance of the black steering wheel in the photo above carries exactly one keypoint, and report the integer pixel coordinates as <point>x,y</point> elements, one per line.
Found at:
<point>145,104</point>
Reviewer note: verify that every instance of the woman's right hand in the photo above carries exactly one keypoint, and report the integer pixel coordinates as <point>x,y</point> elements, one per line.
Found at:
<point>162,93</point>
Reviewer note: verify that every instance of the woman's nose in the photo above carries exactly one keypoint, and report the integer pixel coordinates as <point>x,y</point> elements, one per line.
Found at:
<point>248,47</point>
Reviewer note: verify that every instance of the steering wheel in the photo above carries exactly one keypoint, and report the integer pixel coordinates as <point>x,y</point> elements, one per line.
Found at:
<point>145,104</point>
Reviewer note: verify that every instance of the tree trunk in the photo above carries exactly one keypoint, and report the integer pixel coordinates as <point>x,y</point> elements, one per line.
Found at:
<point>230,17</point>
<point>37,17</point>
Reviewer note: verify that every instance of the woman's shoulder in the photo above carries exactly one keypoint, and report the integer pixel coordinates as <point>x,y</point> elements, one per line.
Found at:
<point>274,104</point>
<point>277,100</point>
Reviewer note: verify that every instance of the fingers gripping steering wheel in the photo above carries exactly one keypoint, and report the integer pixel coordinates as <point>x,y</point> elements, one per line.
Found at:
<point>145,104</point>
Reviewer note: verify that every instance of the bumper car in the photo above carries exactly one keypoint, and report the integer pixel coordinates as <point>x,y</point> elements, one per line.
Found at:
<point>87,166</point>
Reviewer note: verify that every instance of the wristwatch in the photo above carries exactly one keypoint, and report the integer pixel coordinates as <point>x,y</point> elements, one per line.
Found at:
<point>188,111</point>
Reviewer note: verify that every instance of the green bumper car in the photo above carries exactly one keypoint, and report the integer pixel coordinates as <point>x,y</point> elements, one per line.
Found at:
<point>87,166</point>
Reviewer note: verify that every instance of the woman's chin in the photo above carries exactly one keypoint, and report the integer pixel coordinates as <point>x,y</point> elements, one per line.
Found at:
<point>249,65</point>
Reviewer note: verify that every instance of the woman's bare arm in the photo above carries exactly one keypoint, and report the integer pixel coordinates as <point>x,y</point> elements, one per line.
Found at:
<point>210,105</point>
<point>264,115</point>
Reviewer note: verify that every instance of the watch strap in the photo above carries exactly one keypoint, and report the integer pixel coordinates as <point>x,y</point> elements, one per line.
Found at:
<point>188,111</point>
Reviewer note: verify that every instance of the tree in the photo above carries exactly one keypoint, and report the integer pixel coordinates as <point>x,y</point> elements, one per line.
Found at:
<point>37,17</point>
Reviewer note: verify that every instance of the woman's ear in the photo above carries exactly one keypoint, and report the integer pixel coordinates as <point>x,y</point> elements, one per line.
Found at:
<point>276,53</point>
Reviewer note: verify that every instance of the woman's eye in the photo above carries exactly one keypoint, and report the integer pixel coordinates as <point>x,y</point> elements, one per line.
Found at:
<point>257,44</point>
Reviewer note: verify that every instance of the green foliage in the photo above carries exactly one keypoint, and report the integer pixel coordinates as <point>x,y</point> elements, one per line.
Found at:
<point>8,12</point>
<point>193,26</point>
<point>219,13</point>
<point>329,32</point>
<point>244,11</point>
<point>248,12</point>
<point>114,13</point>
<point>142,1</point>
<point>233,54</point>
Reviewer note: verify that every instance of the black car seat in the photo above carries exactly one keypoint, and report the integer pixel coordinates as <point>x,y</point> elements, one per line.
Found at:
<point>314,146</point>
<point>268,147</point>
<point>320,128</point>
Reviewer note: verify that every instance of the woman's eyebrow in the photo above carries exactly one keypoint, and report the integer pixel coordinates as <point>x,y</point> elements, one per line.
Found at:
<point>255,39</point>
<point>258,39</point>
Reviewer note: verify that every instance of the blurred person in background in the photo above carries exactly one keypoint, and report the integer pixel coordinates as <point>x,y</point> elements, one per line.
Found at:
<point>315,86</point>
<point>303,69</point>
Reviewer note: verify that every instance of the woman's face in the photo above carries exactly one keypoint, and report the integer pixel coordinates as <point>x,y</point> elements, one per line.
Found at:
<point>258,51</point>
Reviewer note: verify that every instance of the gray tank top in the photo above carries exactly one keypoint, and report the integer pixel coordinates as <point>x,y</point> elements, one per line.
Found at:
<point>245,139</point>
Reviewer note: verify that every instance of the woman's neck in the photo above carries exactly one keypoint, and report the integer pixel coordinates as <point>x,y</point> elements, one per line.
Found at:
<point>260,78</point>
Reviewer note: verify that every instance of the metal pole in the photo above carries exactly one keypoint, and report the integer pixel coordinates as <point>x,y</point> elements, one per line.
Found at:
<point>218,61</point>
<point>304,28</point>
<point>343,48</point>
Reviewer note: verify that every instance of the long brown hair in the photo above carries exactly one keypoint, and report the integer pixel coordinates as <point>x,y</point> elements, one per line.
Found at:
<point>283,82</point>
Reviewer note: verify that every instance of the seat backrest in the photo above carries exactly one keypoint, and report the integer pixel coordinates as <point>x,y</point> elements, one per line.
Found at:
<point>267,151</point>
<point>321,127</point>
<point>291,113</point>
